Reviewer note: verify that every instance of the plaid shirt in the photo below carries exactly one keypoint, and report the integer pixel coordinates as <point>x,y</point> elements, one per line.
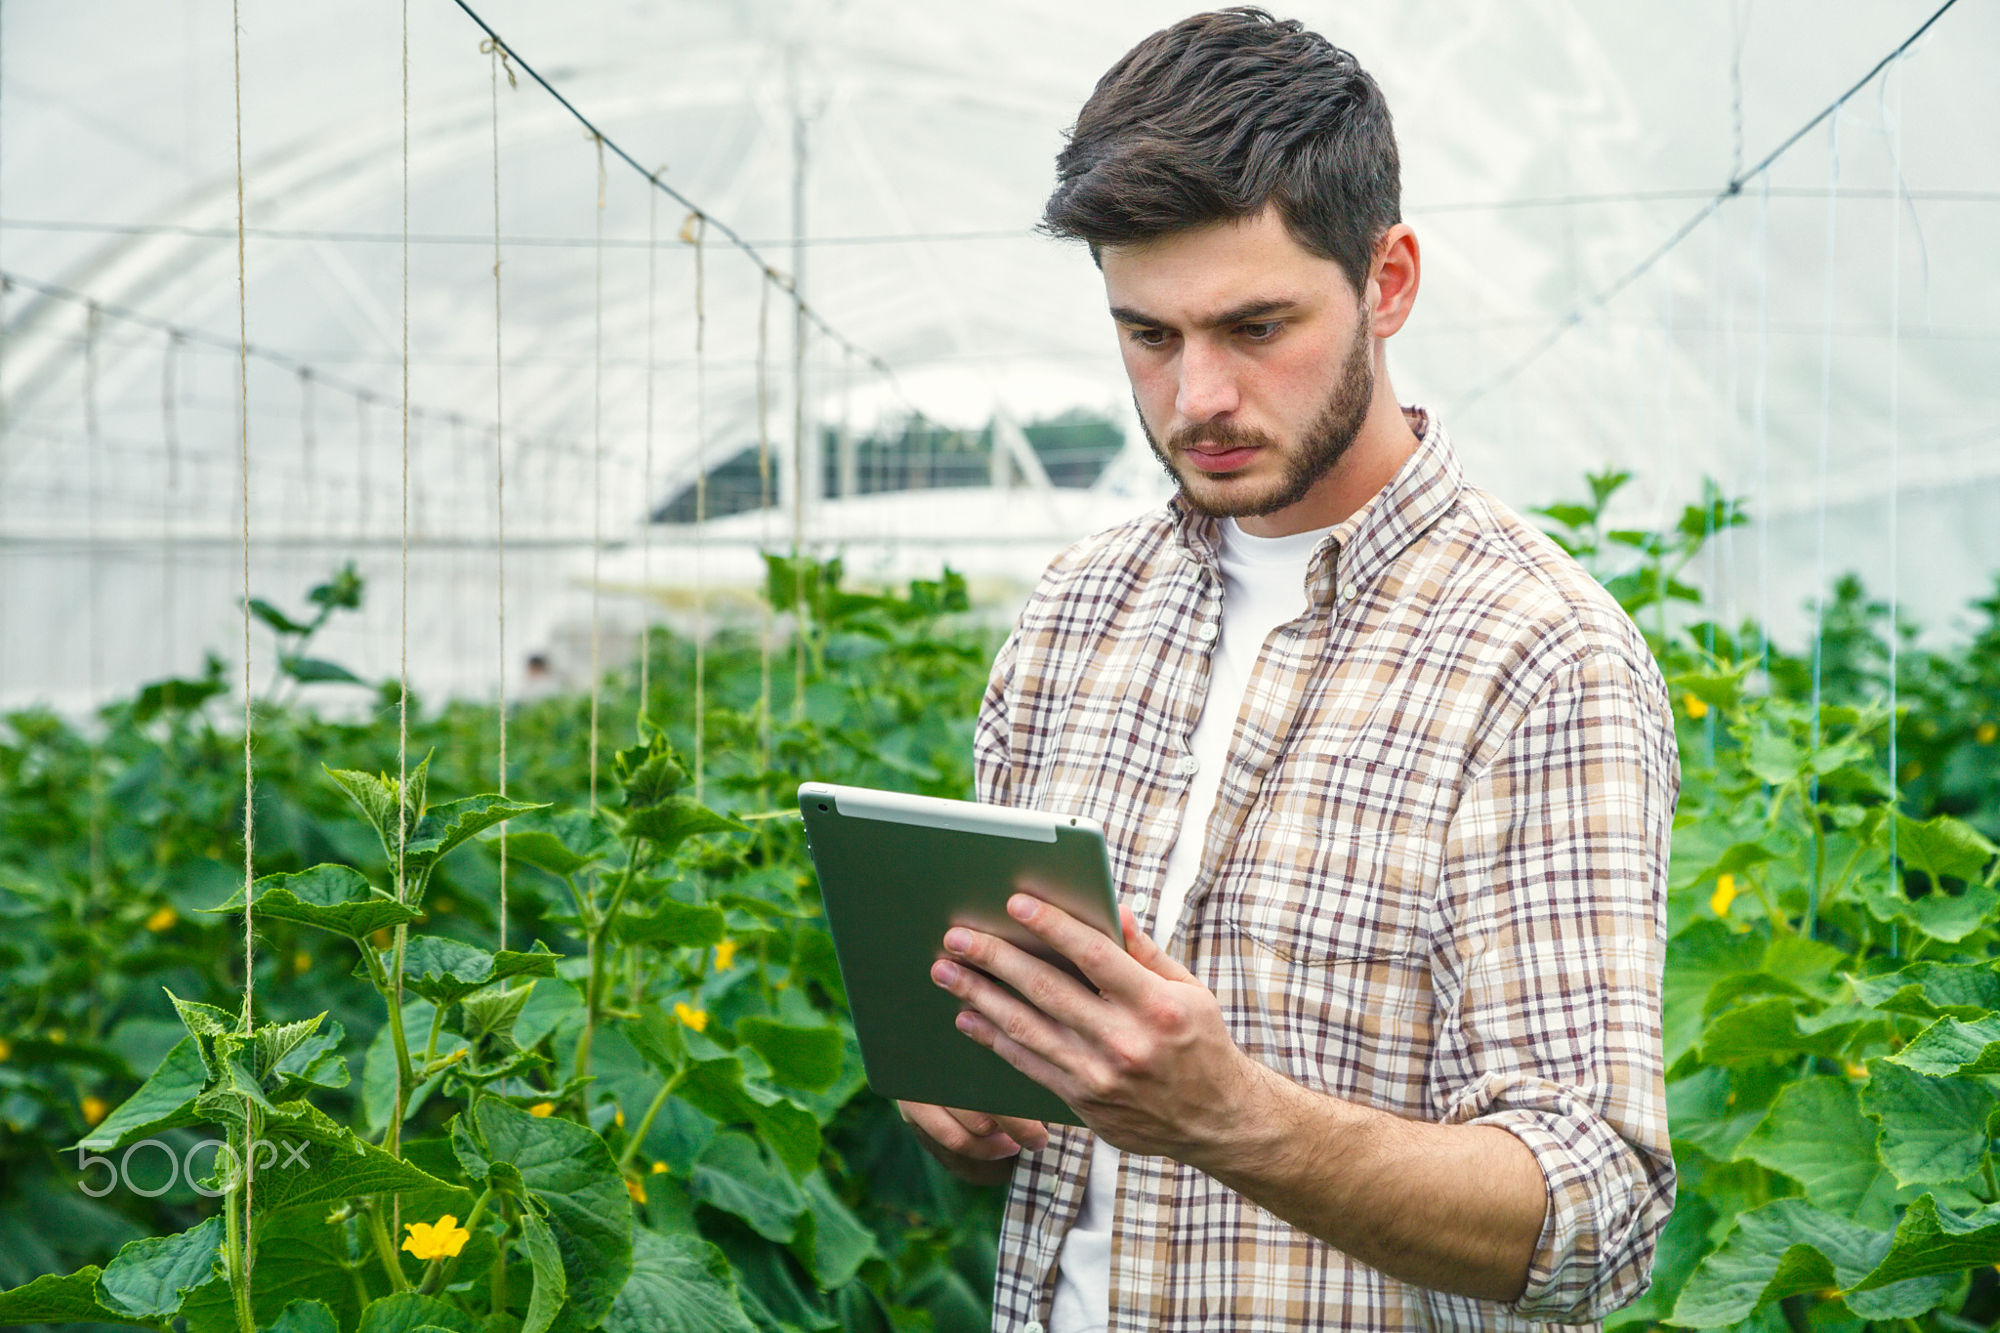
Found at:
<point>1433,883</point>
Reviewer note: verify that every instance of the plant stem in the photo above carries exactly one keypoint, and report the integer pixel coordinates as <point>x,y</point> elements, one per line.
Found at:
<point>431,1046</point>
<point>667,1090</point>
<point>597,926</point>
<point>385,1248</point>
<point>233,1238</point>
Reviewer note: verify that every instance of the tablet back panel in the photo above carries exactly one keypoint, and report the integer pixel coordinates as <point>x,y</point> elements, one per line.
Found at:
<point>894,882</point>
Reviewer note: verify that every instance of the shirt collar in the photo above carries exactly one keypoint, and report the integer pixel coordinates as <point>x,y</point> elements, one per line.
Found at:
<point>1369,540</point>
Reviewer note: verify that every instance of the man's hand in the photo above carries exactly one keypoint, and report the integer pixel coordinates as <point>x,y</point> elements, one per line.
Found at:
<point>973,1145</point>
<point>1147,1061</point>
<point>1145,1058</point>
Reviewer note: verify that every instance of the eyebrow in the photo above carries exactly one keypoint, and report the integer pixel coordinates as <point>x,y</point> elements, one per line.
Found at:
<point>1248,312</point>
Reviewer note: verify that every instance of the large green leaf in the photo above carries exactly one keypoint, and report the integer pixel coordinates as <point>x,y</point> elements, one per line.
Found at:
<point>1947,917</point>
<point>304,1316</point>
<point>64,1298</point>
<point>570,1170</point>
<point>1701,956</point>
<point>832,1242</point>
<point>1933,1240</point>
<point>1815,1133</point>
<point>800,1056</point>
<point>445,971</point>
<point>675,820</point>
<point>671,924</point>
<point>164,1101</point>
<point>551,1284</point>
<point>320,1161</point>
<point>560,842</point>
<point>1790,1248</point>
<point>1953,1048</point>
<point>718,1088</point>
<point>333,898</point>
<point>1942,847</point>
<point>1778,1028</point>
<point>1933,1129</point>
<point>1935,990</point>
<point>735,1174</point>
<point>679,1284</point>
<point>453,823</point>
<point>147,1277</point>
<point>408,1311</point>
<point>376,797</point>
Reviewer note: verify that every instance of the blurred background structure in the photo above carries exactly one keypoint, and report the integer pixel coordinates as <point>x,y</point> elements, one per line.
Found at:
<point>1746,240</point>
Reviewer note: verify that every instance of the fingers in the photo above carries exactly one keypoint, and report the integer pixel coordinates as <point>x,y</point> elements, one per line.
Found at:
<point>1096,955</point>
<point>1056,1005</point>
<point>1148,952</point>
<point>974,1134</point>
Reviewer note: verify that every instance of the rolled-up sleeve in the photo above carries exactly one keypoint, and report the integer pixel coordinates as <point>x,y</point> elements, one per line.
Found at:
<point>1547,964</point>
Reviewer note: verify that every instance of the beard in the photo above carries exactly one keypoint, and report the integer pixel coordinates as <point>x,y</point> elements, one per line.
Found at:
<point>1319,450</point>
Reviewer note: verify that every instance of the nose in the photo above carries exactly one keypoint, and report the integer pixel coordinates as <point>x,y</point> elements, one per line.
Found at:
<point>1207,385</point>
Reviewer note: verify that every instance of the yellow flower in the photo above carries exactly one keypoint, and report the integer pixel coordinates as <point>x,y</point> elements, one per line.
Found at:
<point>618,1117</point>
<point>636,1190</point>
<point>443,905</point>
<point>95,1109</point>
<point>542,1109</point>
<point>694,1018</point>
<point>1695,707</point>
<point>442,1239</point>
<point>6,1049</point>
<point>382,938</point>
<point>302,961</point>
<point>1725,894</point>
<point>659,1168</point>
<point>725,955</point>
<point>1986,733</point>
<point>162,919</point>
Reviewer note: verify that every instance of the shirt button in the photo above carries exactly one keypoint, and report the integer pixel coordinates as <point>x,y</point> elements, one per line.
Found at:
<point>1346,592</point>
<point>1138,902</point>
<point>1187,766</point>
<point>1207,632</point>
<point>1033,1326</point>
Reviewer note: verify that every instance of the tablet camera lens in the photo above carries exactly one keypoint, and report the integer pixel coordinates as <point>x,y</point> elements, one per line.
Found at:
<point>822,805</point>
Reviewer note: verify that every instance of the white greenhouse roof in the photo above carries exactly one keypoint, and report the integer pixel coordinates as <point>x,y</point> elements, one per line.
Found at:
<point>1822,341</point>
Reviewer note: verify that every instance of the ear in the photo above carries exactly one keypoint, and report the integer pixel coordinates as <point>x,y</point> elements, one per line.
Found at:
<point>1392,284</point>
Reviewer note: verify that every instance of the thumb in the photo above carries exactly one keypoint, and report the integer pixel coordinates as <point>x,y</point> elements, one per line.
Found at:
<point>1150,955</point>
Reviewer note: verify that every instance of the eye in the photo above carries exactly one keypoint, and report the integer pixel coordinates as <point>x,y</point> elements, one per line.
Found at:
<point>1145,337</point>
<point>1261,331</point>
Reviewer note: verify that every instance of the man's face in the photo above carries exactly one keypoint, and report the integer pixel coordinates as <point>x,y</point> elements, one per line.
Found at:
<point>1250,360</point>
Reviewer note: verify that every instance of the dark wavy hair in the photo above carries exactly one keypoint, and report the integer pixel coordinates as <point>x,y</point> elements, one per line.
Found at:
<point>1219,115</point>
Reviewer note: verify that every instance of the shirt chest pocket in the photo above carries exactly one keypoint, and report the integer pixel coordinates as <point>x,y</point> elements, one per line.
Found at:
<point>1313,895</point>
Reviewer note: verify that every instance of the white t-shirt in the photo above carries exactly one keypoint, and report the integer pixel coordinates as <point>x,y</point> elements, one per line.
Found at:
<point>1263,587</point>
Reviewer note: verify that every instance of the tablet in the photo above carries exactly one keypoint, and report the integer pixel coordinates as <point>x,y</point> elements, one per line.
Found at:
<point>896,872</point>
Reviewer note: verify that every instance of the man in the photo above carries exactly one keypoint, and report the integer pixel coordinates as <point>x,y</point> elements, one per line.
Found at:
<point>1386,778</point>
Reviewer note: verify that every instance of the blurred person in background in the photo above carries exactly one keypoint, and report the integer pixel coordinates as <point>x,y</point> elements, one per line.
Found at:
<point>1385,777</point>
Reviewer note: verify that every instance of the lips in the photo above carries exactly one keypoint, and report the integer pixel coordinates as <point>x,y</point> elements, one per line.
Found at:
<point>1221,460</point>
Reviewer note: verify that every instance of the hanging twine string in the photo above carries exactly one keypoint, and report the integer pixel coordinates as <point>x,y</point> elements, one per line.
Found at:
<point>652,367</point>
<point>249,720</point>
<point>1894,126</point>
<point>363,441</point>
<point>395,1134</point>
<point>1825,445</point>
<point>93,445</point>
<point>597,480</point>
<point>764,512</point>
<point>170,439</point>
<point>695,232</point>
<point>497,58</point>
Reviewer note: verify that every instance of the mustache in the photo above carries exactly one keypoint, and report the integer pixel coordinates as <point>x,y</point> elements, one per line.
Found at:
<point>1216,436</point>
